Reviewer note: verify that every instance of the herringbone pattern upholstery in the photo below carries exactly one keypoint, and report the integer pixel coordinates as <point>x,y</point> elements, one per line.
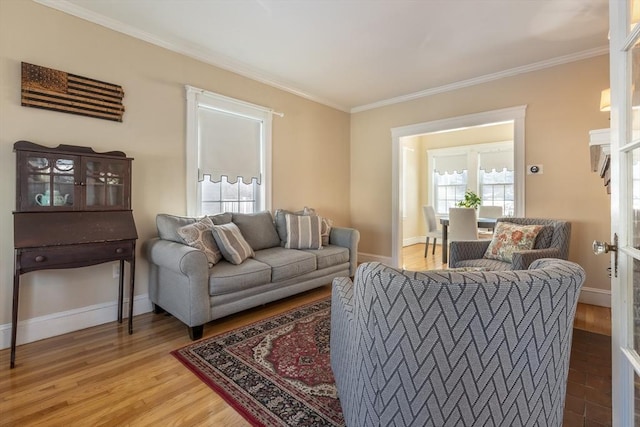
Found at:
<point>552,242</point>
<point>445,348</point>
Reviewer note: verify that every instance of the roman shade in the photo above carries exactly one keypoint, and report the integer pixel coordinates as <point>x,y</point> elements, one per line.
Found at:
<point>229,145</point>
<point>496,160</point>
<point>451,164</point>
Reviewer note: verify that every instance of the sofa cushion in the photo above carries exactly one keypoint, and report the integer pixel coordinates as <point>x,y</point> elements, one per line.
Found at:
<point>232,244</point>
<point>168,226</point>
<point>281,224</point>
<point>485,264</point>
<point>258,229</point>
<point>286,263</point>
<point>509,238</point>
<point>303,232</point>
<point>221,218</point>
<point>226,278</point>
<point>330,255</point>
<point>199,235</point>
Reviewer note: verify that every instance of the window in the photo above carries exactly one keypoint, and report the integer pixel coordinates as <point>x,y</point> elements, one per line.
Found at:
<point>228,154</point>
<point>496,189</point>
<point>449,189</point>
<point>486,169</point>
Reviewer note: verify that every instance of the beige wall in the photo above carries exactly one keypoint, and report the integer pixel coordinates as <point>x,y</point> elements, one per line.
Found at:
<point>562,106</point>
<point>310,144</point>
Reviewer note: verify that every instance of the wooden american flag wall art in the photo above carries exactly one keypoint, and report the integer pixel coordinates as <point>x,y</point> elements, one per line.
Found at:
<point>69,93</point>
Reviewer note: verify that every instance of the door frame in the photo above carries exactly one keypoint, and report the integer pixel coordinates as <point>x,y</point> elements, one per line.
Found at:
<point>625,360</point>
<point>515,114</point>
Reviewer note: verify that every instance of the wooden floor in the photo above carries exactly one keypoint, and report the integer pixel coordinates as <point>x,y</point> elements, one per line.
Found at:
<point>103,376</point>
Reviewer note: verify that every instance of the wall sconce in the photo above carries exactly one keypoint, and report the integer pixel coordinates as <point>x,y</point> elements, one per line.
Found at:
<point>605,100</point>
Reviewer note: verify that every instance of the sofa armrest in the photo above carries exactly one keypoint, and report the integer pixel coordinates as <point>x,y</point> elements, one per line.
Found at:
<point>177,257</point>
<point>464,250</point>
<point>522,259</point>
<point>347,238</point>
<point>179,281</point>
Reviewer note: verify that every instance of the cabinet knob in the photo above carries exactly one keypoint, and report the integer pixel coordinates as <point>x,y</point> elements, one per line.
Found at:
<point>119,250</point>
<point>40,258</point>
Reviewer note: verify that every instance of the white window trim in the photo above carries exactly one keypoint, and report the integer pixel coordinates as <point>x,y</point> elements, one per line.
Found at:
<point>237,107</point>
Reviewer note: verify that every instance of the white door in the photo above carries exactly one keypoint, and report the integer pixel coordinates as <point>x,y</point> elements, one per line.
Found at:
<point>625,211</point>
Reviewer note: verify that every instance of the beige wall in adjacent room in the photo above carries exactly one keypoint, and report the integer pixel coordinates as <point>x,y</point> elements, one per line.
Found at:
<point>310,144</point>
<point>562,106</point>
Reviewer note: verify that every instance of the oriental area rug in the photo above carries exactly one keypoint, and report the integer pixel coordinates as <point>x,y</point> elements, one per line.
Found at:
<point>275,372</point>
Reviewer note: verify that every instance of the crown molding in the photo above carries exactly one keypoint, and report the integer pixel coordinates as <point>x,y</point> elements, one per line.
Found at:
<point>536,66</point>
<point>208,57</point>
<point>237,67</point>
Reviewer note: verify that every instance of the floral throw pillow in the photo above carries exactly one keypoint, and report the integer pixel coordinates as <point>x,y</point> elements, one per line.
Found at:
<point>509,238</point>
<point>198,235</point>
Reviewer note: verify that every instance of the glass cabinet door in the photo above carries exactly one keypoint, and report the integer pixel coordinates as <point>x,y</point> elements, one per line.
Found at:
<point>105,183</point>
<point>49,182</point>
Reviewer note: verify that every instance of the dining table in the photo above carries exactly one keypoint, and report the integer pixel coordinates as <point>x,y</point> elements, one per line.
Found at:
<point>444,221</point>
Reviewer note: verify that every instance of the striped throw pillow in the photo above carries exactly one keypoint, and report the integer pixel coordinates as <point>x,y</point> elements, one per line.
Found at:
<point>303,232</point>
<point>232,244</point>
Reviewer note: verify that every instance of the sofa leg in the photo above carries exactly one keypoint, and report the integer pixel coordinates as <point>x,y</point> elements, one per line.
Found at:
<point>195,332</point>
<point>157,309</point>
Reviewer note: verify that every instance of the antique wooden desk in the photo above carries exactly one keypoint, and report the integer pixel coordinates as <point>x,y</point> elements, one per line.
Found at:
<point>72,210</point>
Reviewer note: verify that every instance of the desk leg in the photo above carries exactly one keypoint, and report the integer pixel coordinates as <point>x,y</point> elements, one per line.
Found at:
<point>132,273</point>
<point>14,317</point>
<point>445,243</point>
<point>121,291</point>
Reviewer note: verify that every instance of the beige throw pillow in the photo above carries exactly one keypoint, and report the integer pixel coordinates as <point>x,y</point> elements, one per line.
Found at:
<point>198,235</point>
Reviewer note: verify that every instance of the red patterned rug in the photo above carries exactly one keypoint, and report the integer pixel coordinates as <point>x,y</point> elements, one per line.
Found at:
<point>274,372</point>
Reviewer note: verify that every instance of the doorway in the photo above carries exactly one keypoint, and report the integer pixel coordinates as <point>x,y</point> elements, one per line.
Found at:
<point>515,115</point>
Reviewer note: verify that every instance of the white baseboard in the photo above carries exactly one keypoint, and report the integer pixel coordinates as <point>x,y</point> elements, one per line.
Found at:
<point>418,239</point>
<point>363,257</point>
<point>595,296</point>
<point>51,325</point>
<point>413,240</point>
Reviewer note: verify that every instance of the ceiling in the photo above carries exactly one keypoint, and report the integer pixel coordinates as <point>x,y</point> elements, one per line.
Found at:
<point>358,54</point>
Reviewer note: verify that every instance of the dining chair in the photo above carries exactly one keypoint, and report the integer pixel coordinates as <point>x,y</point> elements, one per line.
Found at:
<point>432,228</point>
<point>488,212</point>
<point>463,224</point>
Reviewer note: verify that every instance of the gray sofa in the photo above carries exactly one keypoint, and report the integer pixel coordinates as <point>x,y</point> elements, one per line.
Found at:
<point>442,348</point>
<point>182,282</point>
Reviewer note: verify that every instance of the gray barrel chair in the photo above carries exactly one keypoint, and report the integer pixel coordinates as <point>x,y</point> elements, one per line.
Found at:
<point>443,348</point>
<point>552,242</point>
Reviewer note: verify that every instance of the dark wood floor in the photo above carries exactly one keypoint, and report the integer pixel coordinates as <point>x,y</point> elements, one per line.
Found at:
<point>588,400</point>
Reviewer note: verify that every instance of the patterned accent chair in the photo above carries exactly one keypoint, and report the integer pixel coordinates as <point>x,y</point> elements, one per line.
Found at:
<point>451,348</point>
<point>552,242</point>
